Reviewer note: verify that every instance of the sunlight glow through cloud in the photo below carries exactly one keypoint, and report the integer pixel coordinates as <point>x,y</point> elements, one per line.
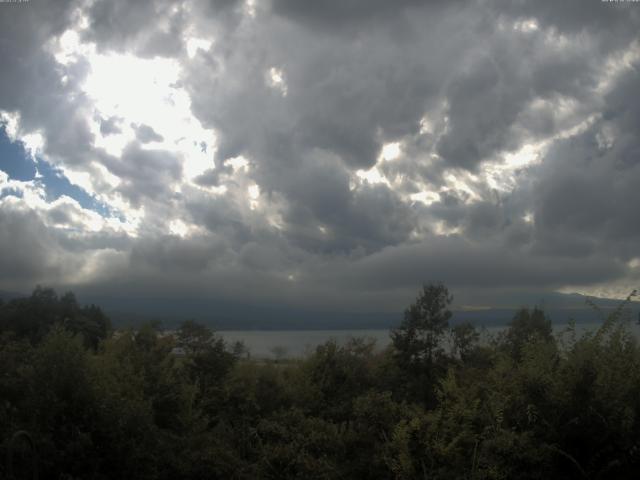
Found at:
<point>276,80</point>
<point>144,92</point>
<point>141,91</point>
<point>195,44</point>
<point>391,151</point>
<point>373,176</point>
<point>238,163</point>
<point>254,194</point>
<point>425,197</point>
<point>179,228</point>
<point>137,93</point>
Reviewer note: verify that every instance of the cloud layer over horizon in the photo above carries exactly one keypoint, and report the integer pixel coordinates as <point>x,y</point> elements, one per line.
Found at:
<point>308,154</point>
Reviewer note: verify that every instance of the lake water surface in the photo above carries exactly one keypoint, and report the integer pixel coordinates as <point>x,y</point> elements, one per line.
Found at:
<point>298,343</point>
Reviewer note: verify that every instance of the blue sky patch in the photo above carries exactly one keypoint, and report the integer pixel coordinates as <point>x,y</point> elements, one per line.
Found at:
<point>18,164</point>
<point>14,159</point>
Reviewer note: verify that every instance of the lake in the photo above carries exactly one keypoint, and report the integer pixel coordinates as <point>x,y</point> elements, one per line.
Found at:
<point>299,343</point>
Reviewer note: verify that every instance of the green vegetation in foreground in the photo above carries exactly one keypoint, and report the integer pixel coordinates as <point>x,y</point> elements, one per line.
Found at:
<point>526,405</point>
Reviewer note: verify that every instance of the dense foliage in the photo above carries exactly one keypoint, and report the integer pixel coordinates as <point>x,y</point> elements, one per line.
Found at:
<point>440,402</point>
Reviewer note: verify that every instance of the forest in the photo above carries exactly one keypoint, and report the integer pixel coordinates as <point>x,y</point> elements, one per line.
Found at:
<point>80,400</point>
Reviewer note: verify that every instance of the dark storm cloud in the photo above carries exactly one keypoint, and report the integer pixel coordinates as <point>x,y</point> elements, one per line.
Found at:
<point>343,100</point>
<point>30,251</point>
<point>146,134</point>
<point>59,215</point>
<point>145,173</point>
<point>95,241</point>
<point>489,98</point>
<point>588,193</point>
<point>614,21</point>
<point>29,261</point>
<point>165,255</point>
<point>324,214</point>
<point>368,220</point>
<point>25,28</point>
<point>346,97</point>
<point>332,14</point>
<point>458,84</point>
<point>462,263</point>
<point>348,94</point>
<point>211,176</point>
<point>110,126</point>
<point>149,27</point>
<point>263,256</point>
<point>220,215</point>
<point>32,83</point>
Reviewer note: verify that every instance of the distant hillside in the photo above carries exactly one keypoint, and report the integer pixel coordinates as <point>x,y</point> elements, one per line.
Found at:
<point>6,295</point>
<point>228,316</point>
<point>559,307</point>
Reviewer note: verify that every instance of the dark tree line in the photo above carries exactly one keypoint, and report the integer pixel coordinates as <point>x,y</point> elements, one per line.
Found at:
<point>32,318</point>
<point>437,403</point>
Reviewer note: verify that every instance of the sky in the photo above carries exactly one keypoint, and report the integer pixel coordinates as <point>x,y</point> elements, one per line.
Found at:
<point>320,156</point>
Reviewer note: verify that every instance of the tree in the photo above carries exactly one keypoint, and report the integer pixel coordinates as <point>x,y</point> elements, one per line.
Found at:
<point>279,352</point>
<point>464,338</point>
<point>526,327</point>
<point>417,344</point>
<point>417,340</point>
<point>194,337</point>
<point>340,373</point>
<point>207,360</point>
<point>33,317</point>
<point>62,403</point>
